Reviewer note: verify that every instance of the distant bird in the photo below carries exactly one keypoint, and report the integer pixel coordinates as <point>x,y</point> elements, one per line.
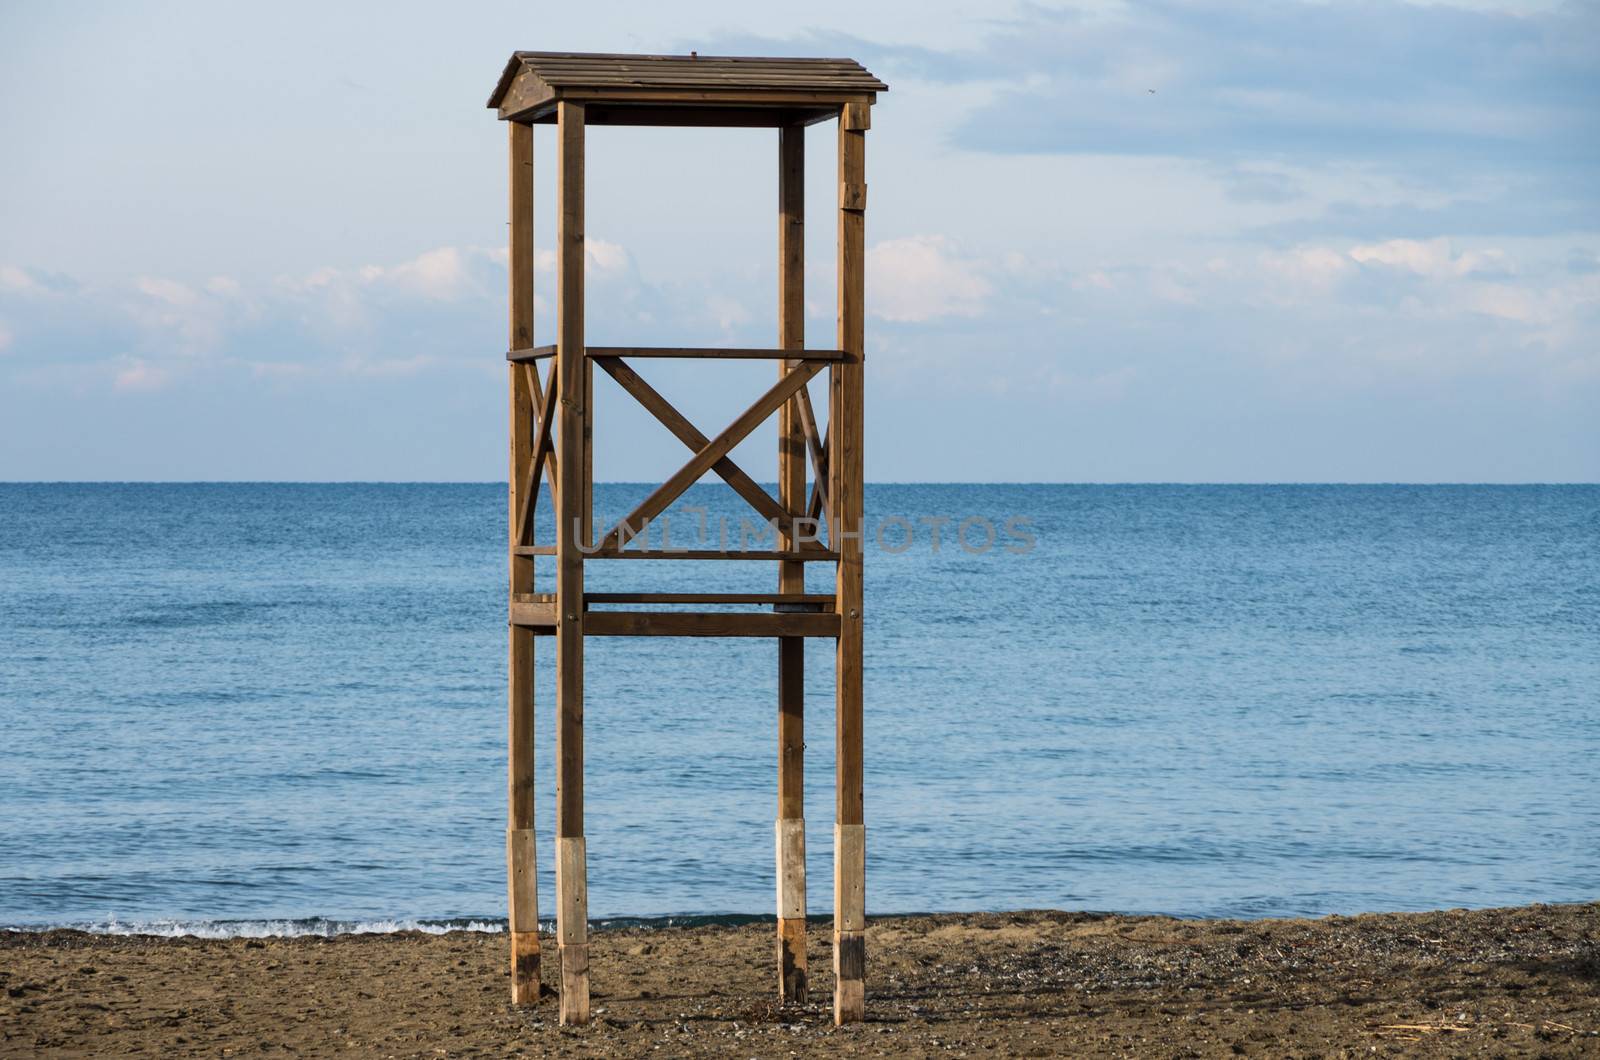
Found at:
<point>1151,91</point>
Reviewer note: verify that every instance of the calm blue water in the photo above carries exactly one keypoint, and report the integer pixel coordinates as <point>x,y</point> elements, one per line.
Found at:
<point>258,702</point>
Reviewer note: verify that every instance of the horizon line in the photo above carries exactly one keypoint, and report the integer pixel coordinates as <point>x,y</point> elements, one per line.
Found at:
<point>869,482</point>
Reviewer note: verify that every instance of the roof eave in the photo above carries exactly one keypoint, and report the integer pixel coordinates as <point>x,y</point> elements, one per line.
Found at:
<point>502,86</point>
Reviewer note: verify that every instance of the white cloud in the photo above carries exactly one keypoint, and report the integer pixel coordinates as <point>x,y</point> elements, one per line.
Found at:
<point>169,291</point>
<point>456,274</point>
<point>440,274</point>
<point>605,256</point>
<point>600,256</point>
<point>177,319</point>
<point>1508,303</point>
<point>1432,257</point>
<point>1314,266</point>
<point>922,278</point>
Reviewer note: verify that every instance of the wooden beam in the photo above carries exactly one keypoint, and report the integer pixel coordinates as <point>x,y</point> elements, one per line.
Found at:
<point>790,829</point>
<point>689,435</point>
<point>587,504</point>
<point>572,926</point>
<point>709,624</point>
<point>818,447</point>
<point>530,353</point>
<point>819,507</point>
<point>713,451</point>
<point>539,615</point>
<point>819,599</point>
<point>713,353</point>
<point>747,353</point>
<point>541,454</point>
<point>522,887</point>
<point>701,115</point>
<point>571,414</point>
<point>725,117</point>
<point>814,443</point>
<point>845,496</point>
<point>551,469</point>
<point>790,837</point>
<point>697,97</point>
<point>714,553</point>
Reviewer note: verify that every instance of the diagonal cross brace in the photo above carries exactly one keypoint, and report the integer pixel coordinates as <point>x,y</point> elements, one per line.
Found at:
<point>689,435</point>
<point>819,456</point>
<point>542,451</point>
<point>709,454</point>
<point>819,508</point>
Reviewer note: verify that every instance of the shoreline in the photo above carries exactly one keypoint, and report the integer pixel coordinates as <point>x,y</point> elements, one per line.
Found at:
<point>287,927</point>
<point>1517,981</point>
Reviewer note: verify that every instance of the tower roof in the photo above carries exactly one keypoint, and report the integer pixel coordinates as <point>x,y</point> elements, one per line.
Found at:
<point>680,89</point>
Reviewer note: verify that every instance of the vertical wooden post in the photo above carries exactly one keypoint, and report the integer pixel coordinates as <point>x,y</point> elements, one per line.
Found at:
<point>572,906</point>
<point>522,884</point>
<point>791,825</point>
<point>846,471</point>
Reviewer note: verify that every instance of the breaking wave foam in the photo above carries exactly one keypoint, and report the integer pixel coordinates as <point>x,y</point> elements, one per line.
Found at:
<point>263,929</point>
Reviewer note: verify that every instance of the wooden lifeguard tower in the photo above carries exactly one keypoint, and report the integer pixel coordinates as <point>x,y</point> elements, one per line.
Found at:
<point>551,439</point>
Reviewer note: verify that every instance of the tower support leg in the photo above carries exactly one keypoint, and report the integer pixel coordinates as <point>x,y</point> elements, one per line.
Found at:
<point>846,471</point>
<point>572,497</point>
<point>522,880</point>
<point>791,825</point>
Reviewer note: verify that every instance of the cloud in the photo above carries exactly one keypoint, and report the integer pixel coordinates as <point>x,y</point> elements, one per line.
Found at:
<point>1324,322</point>
<point>155,332</point>
<point>162,290</point>
<point>1432,258</point>
<point>441,274</point>
<point>605,257</point>
<point>923,278</point>
<point>1536,206</point>
<point>1489,118</point>
<point>18,281</point>
<point>1314,266</point>
<point>1237,79</point>
<point>440,310</point>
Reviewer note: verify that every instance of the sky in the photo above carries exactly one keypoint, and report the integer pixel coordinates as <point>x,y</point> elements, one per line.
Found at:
<point>1158,241</point>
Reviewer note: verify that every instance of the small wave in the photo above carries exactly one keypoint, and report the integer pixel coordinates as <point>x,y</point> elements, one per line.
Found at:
<point>324,927</point>
<point>262,929</point>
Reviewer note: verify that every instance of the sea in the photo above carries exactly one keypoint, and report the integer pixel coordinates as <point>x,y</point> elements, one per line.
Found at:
<point>281,709</point>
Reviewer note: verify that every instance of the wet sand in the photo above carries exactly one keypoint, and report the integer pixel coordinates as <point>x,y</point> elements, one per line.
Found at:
<point>1507,982</point>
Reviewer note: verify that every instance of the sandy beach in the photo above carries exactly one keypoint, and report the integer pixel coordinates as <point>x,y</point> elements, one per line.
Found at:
<point>1523,981</point>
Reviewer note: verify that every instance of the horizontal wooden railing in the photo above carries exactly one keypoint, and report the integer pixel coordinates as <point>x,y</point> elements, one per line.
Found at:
<point>723,353</point>
<point>541,617</point>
